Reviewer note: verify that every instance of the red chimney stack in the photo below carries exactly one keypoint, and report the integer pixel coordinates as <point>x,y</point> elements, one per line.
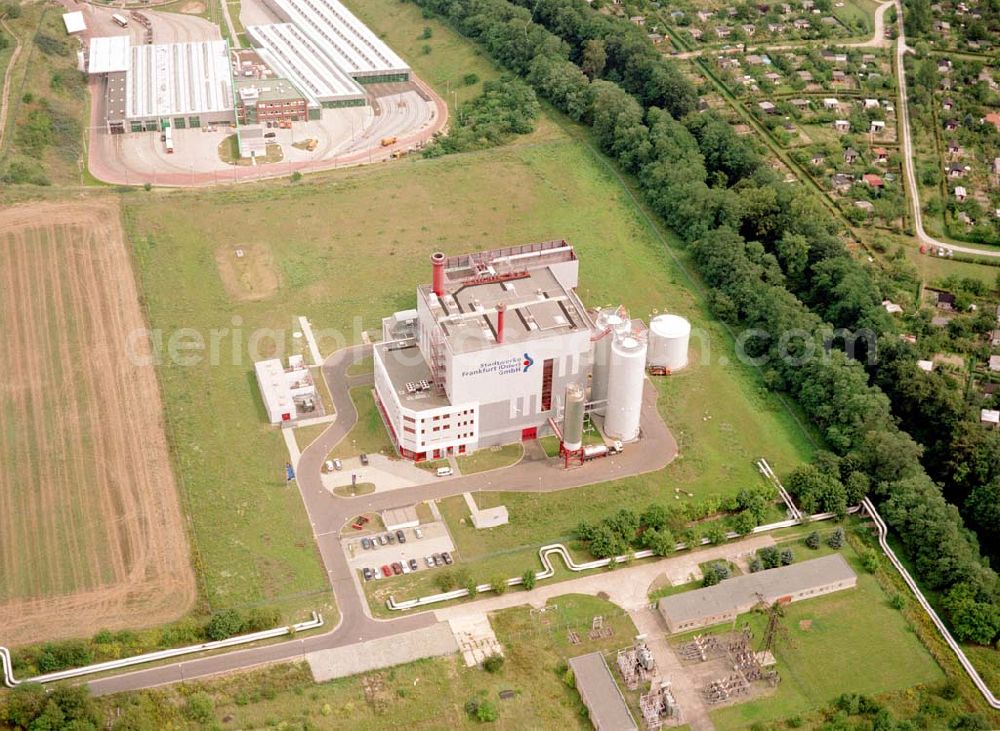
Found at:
<point>437,260</point>
<point>501,309</point>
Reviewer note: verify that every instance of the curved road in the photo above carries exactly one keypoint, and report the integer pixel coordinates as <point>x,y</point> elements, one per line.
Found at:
<point>328,514</point>
<point>907,149</point>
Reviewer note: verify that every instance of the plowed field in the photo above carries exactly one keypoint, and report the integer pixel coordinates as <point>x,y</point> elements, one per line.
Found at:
<point>91,530</point>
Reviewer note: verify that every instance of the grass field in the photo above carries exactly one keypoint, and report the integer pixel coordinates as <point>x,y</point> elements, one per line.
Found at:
<point>368,435</point>
<point>91,531</point>
<point>490,459</point>
<point>428,694</point>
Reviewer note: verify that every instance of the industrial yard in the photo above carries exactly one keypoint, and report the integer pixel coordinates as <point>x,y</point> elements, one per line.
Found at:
<point>91,530</point>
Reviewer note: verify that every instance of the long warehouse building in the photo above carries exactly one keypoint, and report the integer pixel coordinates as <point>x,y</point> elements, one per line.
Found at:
<point>348,42</point>
<point>148,87</point>
<point>293,56</point>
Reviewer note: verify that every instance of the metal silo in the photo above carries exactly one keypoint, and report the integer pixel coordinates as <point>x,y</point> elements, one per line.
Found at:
<point>625,381</point>
<point>668,342</point>
<point>611,323</point>
<point>573,418</point>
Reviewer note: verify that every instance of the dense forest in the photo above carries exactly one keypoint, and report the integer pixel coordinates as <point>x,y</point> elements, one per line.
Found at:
<point>774,261</point>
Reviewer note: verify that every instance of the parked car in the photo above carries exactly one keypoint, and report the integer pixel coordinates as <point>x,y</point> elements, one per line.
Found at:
<point>328,466</point>
<point>269,135</point>
<point>390,537</point>
<point>413,564</point>
<point>429,560</point>
<point>397,568</point>
<point>366,543</point>
<point>444,472</point>
<point>338,465</point>
<point>418,533</point>
<point>364,460</point>
<point>383,540</point>
<point>386,571</point>
<point>447,558</point>
<point>367,573</point>
<point>400,536</point>
<point>405,566</point>
<point>438,561</point>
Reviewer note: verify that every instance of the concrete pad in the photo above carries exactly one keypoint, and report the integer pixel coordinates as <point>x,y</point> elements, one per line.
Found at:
<point>383,472</point>
<point>475,637</point>
<point>435,641</point>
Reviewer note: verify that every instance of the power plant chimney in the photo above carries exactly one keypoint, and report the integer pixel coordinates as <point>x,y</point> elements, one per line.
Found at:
<point>437,260</point>
<point>501,311</point>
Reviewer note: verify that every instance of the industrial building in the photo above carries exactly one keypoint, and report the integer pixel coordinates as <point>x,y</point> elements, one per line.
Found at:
<point>287,392</point>
<point>600,694</point>
<point>500,349</point>
<point>692,610</point>
<point>149,87</point>
<point>292,55</point>
<point>267,101</point>
<point>344,39</point>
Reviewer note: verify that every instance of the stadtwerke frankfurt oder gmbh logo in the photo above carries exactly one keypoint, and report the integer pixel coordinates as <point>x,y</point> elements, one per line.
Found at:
<point>527,362</point>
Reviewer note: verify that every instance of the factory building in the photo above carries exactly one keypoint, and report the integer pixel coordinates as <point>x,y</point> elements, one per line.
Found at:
<point>267,101</point>
<point>292,55</point>
<point>149,87</point>
<point>288,393</point>
<point>344,39</point>
<point>498,348</point>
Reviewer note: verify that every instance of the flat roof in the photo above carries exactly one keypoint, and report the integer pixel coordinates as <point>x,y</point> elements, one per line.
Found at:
<point>342,37</point>
<point>600,693</point>
<point>287,50</point>
<point>108,54</point>
<point>405,364</point>
<point>740,593</point>
<point>267,90</point>
<point>180,78</point>
<point>74,22</point>
<point>274,388</point>
<point>537,306</point>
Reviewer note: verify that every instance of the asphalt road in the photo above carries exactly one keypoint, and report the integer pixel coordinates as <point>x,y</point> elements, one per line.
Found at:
<point>328,514</point>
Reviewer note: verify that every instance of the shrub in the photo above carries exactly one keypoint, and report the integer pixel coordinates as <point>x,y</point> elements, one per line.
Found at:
<point>528,579</point>
<point>471,586</point>
<point>897,601</point>
<point>755,565</point>
<point>569,678</point>
<point>426,49</point>
<point>147,187</point>
<point>427,33</point>
<point>812,540</point>
<point>769,557</point>
<point>499,585</point>
<point>494,663</point>
<point>470,79</point>
<point>715,573</point>
<point>487,712</point>
<point>59,656</point>
<point>199,707</point>
<point>445,580</point>
<point>224,624</point>
<point>296,176</point>
<point>715,533</point>
<point>787,557</point>
<point>836,539</point>
<point>869,559</point>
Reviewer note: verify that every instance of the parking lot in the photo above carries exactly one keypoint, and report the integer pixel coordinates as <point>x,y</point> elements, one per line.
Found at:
<point>435,540</point>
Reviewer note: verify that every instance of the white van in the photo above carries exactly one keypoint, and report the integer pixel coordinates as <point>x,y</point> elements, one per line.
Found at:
<point>444,472</point>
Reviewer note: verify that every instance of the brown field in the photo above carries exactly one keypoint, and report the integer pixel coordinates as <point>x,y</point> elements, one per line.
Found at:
<point>91,530</point>
<point>250,277</point>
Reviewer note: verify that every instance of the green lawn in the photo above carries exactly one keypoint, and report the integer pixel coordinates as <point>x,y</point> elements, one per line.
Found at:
<point>368,435</point>
<point>421,695</point>
<point>490,459</point>
<point>857,643</point>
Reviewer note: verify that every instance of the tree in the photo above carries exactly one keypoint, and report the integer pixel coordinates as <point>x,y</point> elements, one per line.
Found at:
<point>445,580</point>
<point>836,539</point>
<point>223,625</point>
<point>528,579</point>
<point>499,585</point>
<point>715,533</point>
<point>593,58</point>
<point>770,557</point>
<point>605,543</point>
<point>655,516</point>
<point>812,540</point>
<point>744,523</point>
<point>471,586</point>
<point>972,620</point>
<point>660,542</point>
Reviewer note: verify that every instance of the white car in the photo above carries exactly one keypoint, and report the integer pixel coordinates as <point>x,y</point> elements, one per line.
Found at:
<point>417,533</point>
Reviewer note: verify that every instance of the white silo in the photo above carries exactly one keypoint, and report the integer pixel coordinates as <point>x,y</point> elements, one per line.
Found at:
<point>611,323</point>
<point>573,418</point>
<point>668,342</point>
<point>625,381</point>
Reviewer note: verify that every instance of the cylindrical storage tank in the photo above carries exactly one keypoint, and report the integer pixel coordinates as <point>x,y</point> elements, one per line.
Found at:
<point>668,342</point>
<point>618,323</point>
<point>625,379</point>
<point>573,418</point>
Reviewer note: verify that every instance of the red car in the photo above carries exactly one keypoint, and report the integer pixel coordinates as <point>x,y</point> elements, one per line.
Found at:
<point>397,568</point>
<point>386,571</point>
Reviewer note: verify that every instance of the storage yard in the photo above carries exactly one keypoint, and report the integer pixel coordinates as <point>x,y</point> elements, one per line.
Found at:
<point>90,527</point>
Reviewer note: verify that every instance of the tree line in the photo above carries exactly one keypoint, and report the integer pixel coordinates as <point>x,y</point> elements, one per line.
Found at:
<point>769,253</point>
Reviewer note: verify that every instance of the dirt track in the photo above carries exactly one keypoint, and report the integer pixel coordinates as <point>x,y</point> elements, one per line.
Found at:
<point>91,530</point>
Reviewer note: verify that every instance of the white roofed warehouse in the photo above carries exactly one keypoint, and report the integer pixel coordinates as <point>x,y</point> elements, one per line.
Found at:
<point>344,39</point>
<point>149,87</point>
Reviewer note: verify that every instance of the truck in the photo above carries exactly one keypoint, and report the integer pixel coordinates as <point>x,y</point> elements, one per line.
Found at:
<point>595,451</point>
<point>386,141</point>
<point>120,20</point>
<point>168,140</point>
